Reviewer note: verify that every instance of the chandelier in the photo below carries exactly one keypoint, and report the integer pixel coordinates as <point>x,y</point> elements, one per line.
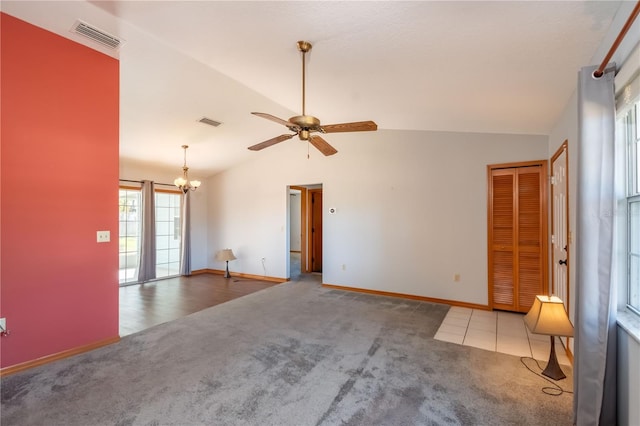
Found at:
<point>183,182</point>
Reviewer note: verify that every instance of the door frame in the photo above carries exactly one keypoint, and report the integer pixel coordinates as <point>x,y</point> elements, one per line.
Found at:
<point>303,226</point>
<point>305,222</point>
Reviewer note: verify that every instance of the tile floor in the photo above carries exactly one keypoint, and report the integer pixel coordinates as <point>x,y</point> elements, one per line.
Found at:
<point>497,331</point>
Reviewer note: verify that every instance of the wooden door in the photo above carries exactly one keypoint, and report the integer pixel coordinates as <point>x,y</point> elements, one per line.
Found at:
<point>316,230</point>
<point>560,228</point>
<point>517,220</point>
<point>501,237</point>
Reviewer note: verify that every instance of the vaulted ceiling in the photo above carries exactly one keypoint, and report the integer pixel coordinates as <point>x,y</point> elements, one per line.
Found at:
<point>477,66</point>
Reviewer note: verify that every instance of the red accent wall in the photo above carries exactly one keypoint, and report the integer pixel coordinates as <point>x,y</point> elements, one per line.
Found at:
<point>59,185</point>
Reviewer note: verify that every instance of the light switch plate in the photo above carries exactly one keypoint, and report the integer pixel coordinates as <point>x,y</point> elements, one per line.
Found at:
<point>104,236</point>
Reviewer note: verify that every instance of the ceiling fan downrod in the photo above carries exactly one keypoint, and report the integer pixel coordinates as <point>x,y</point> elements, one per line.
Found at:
<point>304,47</point>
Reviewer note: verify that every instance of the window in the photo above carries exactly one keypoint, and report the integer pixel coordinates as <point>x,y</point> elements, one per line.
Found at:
<point>634,254</point>
<point>168,233</point>
<point>129,235</point>
<point>628,109</point>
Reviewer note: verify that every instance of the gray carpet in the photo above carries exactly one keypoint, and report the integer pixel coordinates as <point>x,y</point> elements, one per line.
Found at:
<point>294,354</point>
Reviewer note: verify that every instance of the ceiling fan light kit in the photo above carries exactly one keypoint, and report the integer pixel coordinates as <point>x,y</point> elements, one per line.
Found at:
<point>305,125</point>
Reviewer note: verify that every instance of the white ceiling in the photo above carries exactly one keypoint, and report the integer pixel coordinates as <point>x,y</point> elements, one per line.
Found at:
<point>503,67</point>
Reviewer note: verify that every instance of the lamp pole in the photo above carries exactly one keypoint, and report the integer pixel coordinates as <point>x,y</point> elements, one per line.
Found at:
<point>226,274</point>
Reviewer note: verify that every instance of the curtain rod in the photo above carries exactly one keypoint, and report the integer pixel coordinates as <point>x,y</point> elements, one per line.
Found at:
<point>634,13</point>
<point>139,181</point>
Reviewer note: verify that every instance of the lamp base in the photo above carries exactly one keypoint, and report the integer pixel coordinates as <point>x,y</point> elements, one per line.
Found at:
<point>226,273</point>
<point>553,369</point>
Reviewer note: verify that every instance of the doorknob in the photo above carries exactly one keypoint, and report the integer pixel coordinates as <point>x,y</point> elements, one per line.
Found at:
<point>562,262</point>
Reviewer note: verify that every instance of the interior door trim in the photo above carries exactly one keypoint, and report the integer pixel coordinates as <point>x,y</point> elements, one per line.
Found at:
<point>303,226</point>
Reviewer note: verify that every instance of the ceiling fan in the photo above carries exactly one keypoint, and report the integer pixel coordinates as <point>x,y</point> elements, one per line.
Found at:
<point>305,125</point>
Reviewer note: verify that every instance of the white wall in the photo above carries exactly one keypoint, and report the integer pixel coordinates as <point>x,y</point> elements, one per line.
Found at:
<point>136,171</point>
<point>411,209</point>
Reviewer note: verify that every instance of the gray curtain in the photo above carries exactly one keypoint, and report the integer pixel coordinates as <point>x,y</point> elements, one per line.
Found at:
<point>185,246</point>
<point>147,267</point>
<point>595,328</point>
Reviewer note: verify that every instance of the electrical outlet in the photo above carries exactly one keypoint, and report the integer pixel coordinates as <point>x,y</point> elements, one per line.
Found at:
<point>344,267</point>
<point>103,236</point>
<point>3,324</point>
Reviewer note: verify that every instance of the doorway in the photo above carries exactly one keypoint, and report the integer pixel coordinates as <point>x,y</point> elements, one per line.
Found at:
<point>305,229</point>
<point>295,233</point>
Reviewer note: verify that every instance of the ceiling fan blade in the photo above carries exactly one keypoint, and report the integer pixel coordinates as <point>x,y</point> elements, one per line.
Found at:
<point>272,141</point>
<point>322,145</point>
<point>274,118</point>
<point>359,126</point>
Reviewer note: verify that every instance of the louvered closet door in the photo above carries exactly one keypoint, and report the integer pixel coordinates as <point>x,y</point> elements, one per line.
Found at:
<point>530,269</point>
<point>517,236</point>
<point>502,234</point>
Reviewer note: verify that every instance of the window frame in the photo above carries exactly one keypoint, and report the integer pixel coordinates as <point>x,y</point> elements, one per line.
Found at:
<point>628,133</point>
<point>630,256</point>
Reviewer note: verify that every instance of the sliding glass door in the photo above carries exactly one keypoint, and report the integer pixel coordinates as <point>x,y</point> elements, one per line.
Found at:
<point>168,233</point>
<point>129,235</point>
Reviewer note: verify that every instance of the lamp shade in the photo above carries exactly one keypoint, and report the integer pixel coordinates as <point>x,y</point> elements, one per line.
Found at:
<point>547,316</point>
<point>225,255</point>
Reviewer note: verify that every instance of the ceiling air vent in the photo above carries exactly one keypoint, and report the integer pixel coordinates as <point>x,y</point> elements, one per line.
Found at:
<point>96,35</point>
<point>209,121</point>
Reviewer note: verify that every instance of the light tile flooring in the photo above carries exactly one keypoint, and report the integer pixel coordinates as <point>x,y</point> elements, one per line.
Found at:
<point>497,331</point>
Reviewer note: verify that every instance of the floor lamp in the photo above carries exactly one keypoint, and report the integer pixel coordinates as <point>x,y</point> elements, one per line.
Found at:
<point>548,316</point>
<point>226,255</point>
